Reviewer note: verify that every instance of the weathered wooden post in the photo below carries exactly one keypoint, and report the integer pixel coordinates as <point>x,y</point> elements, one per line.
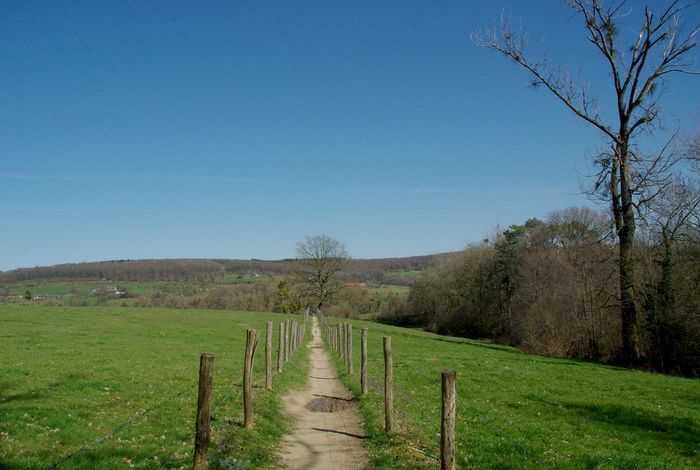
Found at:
<point>337,339</point>
<point>203,430</point>
<point>363,366</point>
<point>268,356</point>
<point>388,386</point>
<point>297,335</point>
<point>280,348</point>
<point>447,429</point>
<point>341,333</point>
<point>293,337</point>
<point>344,332</point>
<point>286,341</point>
<point>250,346</point>
<point>349,354</point>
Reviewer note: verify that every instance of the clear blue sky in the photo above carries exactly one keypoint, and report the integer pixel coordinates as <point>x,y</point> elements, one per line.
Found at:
<point>156,129</point>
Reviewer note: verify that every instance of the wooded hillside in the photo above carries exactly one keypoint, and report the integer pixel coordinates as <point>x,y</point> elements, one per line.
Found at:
<point>198,269</point>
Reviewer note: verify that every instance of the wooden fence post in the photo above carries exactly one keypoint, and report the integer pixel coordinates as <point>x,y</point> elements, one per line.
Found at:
<point>268,356</point>
<point>363,366</point>
<point>388,386</point>
<point>341,333</point>
<point>349,348</point>
<point>250,346</point>
<point>293,337</point>
<point>286,341</point>
<point>203,431</point>
<point>447,428</point>
<point>280,348</point>
<point>344,332</point>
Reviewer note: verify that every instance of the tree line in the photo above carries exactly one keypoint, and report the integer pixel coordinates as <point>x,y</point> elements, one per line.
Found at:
<point>551,287</point>
<point>203,270</point>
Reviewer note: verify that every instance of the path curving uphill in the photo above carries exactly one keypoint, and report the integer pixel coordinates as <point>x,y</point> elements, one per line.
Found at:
<point>328,433</point>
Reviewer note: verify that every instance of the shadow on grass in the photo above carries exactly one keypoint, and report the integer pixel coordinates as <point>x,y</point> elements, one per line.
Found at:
<point>416,332</point>
<point>669,430</point>
<point>41,392</point>
<point>114,456</point>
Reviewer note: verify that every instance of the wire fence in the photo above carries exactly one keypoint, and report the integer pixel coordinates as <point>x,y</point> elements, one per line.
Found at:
<point>225,401</point>
<point>135,417</point>
<point>375,386</point>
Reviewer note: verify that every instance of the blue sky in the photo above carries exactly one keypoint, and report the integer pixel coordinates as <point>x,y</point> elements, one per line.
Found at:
<point>233,129</point>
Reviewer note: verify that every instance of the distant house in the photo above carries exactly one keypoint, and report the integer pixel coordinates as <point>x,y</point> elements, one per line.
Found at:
<point>356,285</point>
<point>41,297</point>
<point>120,292</point>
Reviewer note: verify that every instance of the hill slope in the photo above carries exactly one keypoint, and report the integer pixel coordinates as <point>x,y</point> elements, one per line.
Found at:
<point>196,269</point>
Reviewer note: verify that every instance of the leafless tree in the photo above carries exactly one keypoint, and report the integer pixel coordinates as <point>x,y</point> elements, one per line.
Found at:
<point>660,48</point>
<point>320,259</point>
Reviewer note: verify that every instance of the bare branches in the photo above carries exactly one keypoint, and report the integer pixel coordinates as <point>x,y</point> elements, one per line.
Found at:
<point>660,48</point>
<point>513,45</point>
<point>320,259</point>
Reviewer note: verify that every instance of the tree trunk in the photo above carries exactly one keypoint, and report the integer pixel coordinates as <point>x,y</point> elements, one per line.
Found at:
<point>625,231</point>
<point>666,285</point>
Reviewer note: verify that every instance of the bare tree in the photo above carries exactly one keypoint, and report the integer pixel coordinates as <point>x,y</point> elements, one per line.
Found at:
<point>637,72</point>
<point>672,216</point>
<point>320,259</point>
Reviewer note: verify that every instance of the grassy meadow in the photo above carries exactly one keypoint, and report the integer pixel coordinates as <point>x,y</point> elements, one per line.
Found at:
<point>117,387</point>
<point>522,411</point>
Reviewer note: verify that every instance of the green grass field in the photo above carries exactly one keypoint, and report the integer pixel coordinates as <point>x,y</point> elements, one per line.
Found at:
<point>410,273</point>
<point>522,411</point>
<point>117,387</point>
<point>83,289</point>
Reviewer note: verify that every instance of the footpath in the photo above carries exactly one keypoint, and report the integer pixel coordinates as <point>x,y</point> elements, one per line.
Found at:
<point>328,432</point>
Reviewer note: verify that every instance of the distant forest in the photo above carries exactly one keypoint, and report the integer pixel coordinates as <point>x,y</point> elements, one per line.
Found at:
<point>201,270</point>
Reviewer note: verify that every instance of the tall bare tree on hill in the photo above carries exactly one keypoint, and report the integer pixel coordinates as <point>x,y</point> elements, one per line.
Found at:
<point>626,177</point>
<point>320,258</point>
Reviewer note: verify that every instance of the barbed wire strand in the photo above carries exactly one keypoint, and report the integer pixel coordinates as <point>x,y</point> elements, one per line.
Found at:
<point>118,428</point>
<point>376,385</point>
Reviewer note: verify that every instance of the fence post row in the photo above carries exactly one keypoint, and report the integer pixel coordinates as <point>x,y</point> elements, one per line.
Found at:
<point>203,430</point>
<point>251,345</point>
<point>447,427</point>
<point>388,386</point>
<point>339,338</point>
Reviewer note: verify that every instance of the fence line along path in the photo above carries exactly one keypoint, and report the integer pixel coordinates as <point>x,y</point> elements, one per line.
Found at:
<point>328,432</point>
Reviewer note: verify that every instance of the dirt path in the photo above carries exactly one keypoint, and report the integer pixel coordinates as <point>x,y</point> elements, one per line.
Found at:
<point>328,433</point>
